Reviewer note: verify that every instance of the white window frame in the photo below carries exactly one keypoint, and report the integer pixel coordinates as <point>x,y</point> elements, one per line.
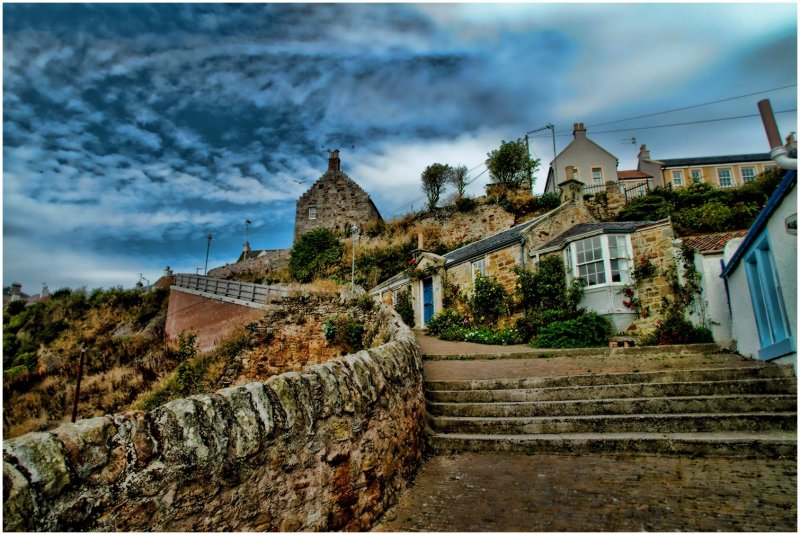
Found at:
<point>476,265</point>
<point>729,177</point>
<point>312,212</point>
<point>696,176</point>
<point>573,267</point>
<point>677,177</point>
<point>748,178</point>
<point>597,180</point>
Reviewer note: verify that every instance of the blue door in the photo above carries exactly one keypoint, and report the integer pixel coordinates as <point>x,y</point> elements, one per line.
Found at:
<point>427,299</point>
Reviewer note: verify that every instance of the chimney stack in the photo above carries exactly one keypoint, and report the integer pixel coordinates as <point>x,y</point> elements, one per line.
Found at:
<point>420,241</point>
<point>578,130</point>
<point>333,161</point>
<point>16,288</point>
<point>571,173</point>
<point>644,154</point>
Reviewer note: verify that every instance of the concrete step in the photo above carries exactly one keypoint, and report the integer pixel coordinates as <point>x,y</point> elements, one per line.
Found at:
<point>780,385</point>
<point>530,353</point>
<point>765,445</point>
<point>627,423</point>
<point>665,376</point>
<point>644,405</point>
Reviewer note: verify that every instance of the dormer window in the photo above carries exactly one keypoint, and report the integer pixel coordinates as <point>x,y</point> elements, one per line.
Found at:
<point>312,212</point>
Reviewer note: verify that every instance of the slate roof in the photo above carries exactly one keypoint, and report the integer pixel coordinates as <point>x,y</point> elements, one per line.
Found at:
<point>487,245</point>
<point>712,243</point>
<point>714,160</point>
<point>789,181</point>
<point>628,175</point>
<point>610,227</point>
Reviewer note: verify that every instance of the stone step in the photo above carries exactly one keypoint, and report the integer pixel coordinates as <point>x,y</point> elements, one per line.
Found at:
<point>648,405</point>
<point>665,376</point>
<point>628,423</point>
<point>765,445</point>
<point>780,385</point>
<point>688,349</point>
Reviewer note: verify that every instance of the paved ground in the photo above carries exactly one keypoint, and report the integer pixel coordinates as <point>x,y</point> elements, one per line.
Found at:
<point>517,492</point>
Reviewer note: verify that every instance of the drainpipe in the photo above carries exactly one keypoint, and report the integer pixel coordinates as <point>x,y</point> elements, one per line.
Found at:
<point>778,152</point>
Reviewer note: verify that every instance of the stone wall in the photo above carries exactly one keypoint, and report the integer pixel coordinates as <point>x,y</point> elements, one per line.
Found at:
<point>605,205</point>
<point>270,260</point>
<point>653,243</point>
<point>210,319</point>
<point>329,449</point>
<point>556,223</point>
<point>337,202</point>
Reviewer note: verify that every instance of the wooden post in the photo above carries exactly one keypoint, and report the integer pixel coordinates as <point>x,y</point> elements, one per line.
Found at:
<point>78,387</point>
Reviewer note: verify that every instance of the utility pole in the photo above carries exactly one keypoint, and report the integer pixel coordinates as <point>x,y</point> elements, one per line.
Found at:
<point>208,248</point>
<point>78,387</point>
<point>528,152</point>
<point>246,223</point>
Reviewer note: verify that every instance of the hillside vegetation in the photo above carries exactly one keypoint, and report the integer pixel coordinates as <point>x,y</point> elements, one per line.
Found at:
<point>702,208</point>
<point>123,333</point>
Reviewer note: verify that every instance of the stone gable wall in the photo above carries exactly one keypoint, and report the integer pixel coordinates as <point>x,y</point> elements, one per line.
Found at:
<point>328,449</point>
<point>274,260</point>
<point>339,203</point>
<point>653,243</point>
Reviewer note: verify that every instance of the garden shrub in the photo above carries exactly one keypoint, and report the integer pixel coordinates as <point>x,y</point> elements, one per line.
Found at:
<point>445,320</point>
<point>549,201</point>
<point>403,306</point>
<point>345,331</point>
<point>482,335</point>
<point>465,204</point>
<point>529,325</point>
<point>315,254</point>
<point>489,300</point>
<point>586,330</point>
<point>675,329</point>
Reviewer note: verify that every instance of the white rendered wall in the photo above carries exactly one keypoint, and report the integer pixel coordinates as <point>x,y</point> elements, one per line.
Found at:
<point>713,311</point>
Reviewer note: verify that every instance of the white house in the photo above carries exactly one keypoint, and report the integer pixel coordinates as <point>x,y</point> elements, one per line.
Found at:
<point>761,280</point>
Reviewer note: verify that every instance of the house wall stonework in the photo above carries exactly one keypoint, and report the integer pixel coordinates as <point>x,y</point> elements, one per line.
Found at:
<point>655,244</point>
<point>338,203</point>
<point>555,223</point>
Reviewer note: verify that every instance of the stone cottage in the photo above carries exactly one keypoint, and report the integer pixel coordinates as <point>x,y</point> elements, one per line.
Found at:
<point>334,202</point>
<point>600,253</point>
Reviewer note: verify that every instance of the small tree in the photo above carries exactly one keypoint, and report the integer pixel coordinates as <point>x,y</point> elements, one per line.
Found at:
<point>434,178</point>
<point>458,178</point>
<point>315,254</point>
<point>511,166</point>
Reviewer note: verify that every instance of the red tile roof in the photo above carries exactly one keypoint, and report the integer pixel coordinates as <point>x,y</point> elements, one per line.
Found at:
<point>627,175</point>
<point>712,242</point>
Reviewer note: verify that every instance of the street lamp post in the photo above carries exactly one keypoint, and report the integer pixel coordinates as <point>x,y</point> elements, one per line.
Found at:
<point>208,248</point>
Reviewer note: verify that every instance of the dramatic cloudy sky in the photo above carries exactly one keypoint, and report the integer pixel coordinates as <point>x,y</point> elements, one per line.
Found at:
<point>132,131</point>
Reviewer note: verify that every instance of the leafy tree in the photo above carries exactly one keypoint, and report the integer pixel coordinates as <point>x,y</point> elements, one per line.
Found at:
<point>458,178</point>
<point>315,254</point>
<point>434,178</point>
<point>511,165</point>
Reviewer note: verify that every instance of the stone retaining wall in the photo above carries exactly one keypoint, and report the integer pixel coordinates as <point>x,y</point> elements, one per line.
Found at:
<point>327,449</point>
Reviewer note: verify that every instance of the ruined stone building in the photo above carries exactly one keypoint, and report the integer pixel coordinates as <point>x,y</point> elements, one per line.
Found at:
<point>335,202</point>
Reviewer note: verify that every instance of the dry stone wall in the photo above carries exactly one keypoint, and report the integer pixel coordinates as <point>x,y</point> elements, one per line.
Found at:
<point>328,449</point>
<point>654,244</point>
<point>269,261</point>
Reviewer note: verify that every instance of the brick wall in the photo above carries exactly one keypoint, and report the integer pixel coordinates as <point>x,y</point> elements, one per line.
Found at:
<point>328,449</point>
<point>210,319</point>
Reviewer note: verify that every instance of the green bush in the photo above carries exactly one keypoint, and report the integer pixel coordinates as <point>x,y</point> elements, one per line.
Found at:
<point>345,331</point>
<point>445,320</point>
<point>403,306</point>
<point>489,300</point>
<point>529,325</point>
<point>15,307</point>
<point>675,329</point>
<point>187,346</point>
<point>315,254</point>
<point>586,330</point>
<point>549,201</point>
<point>465,204</point>
<point>482,335</point>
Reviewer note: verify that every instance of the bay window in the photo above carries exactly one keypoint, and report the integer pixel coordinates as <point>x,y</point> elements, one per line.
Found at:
<point>598,260</point>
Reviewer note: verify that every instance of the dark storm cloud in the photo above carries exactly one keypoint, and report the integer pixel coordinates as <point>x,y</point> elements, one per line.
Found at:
<point>136,129</point>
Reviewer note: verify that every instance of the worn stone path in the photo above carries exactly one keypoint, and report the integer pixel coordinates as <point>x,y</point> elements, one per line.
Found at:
<point>518,492</point>
<point>504,491</point>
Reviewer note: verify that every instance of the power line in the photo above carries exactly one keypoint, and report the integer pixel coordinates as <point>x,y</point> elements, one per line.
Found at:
<point>694,106</point>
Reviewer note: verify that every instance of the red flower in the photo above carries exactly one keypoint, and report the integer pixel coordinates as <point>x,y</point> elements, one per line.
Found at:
<point>411,261</point>
<point>626,303</point>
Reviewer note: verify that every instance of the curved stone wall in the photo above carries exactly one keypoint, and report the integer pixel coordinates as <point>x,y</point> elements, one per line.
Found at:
<point>328,449</point>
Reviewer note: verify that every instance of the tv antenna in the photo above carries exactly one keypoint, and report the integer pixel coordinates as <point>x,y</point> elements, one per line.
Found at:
<point>631,140</point>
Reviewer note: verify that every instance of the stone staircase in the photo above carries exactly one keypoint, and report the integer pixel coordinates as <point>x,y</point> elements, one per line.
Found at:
<point>685,401</point>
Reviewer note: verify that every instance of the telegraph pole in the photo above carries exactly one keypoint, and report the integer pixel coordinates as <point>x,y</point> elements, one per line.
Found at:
<point>548,126</point>
<point>208,248</point>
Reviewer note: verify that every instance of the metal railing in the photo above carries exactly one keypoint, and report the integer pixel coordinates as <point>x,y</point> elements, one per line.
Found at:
<point>244,291</point>
<point>636,190</point>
